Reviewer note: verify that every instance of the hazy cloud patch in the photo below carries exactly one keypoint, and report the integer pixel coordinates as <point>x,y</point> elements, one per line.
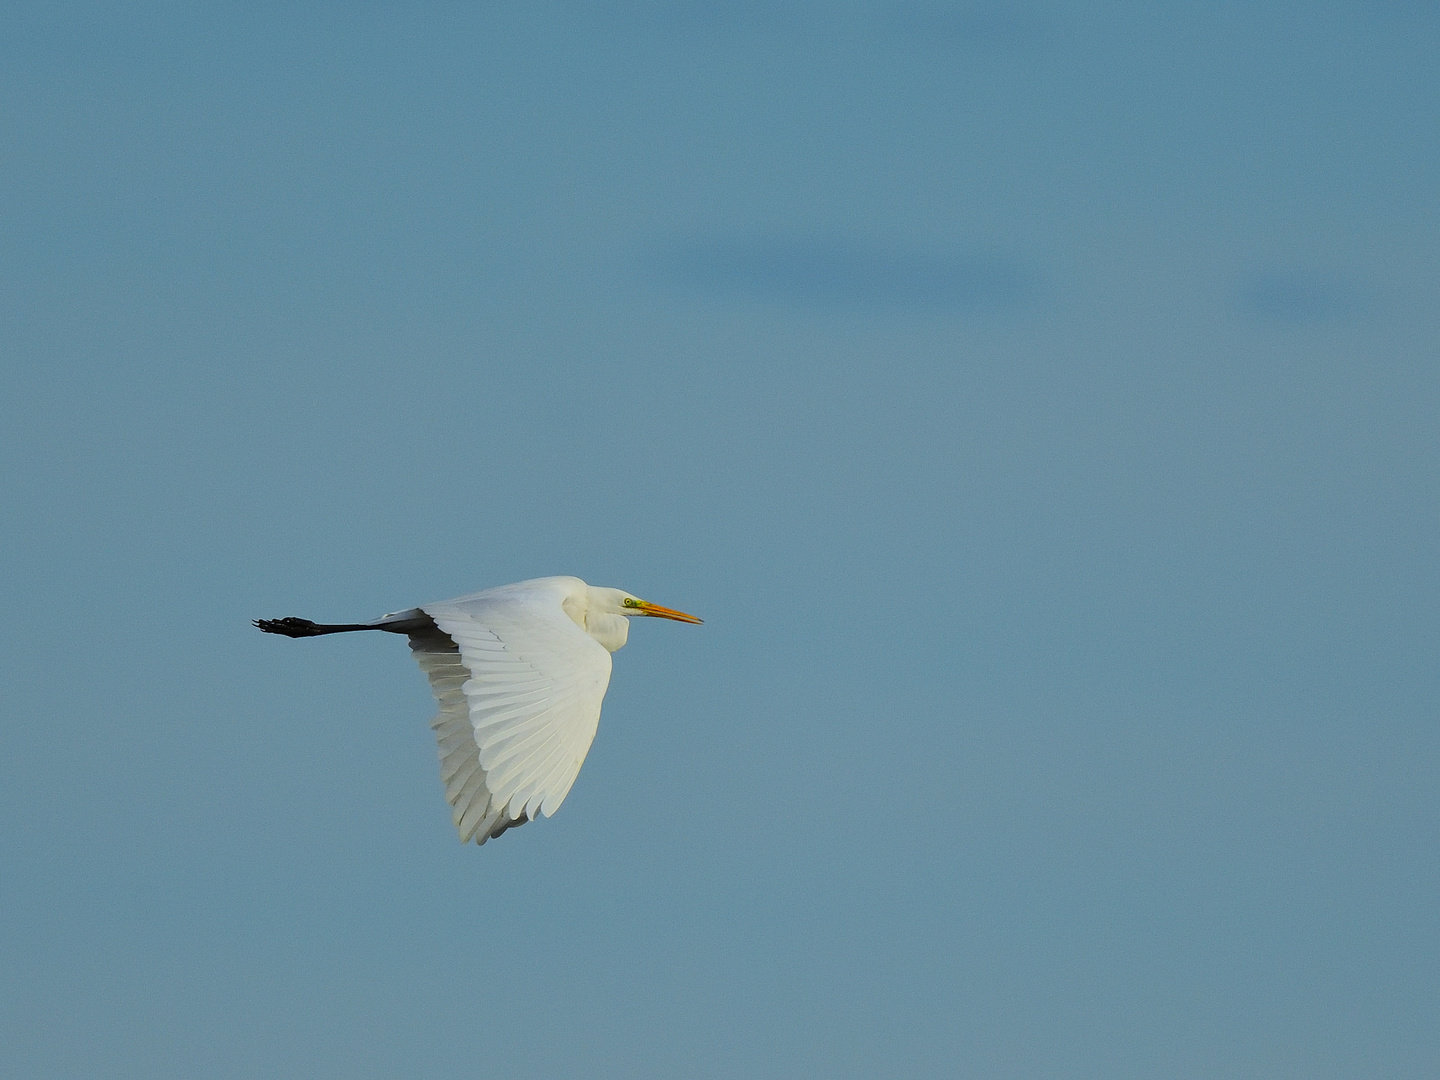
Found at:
<point>1406,11</point>
<point>700,18</point>
<point>837,272</point>
<point>980,23</point>
<point>1299,297</point>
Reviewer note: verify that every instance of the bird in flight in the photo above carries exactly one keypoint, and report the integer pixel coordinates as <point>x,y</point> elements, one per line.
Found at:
<point>519,672</point>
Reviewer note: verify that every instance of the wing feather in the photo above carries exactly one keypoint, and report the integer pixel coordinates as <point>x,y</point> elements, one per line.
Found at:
<point>535,798</point>
<point>460,757</point>
<point>510,776</point>
<point>473,818</point>
<point>519,687</point>
<point>507,749</point>
<point>561,787</point>
<point>466,793</point>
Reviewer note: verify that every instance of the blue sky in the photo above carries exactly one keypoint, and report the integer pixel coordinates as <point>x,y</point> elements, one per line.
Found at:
<point>1038,401</point>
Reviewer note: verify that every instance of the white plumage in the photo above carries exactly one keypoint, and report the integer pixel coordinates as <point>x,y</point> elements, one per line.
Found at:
<point>519,673</point>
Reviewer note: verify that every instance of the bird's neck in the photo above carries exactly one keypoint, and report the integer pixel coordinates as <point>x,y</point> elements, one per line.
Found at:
<point>609,630</point>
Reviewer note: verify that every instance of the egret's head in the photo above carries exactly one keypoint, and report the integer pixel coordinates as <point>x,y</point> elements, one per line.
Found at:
<point>634,606</point>
<point>604,614</point>
<point>619,602</point>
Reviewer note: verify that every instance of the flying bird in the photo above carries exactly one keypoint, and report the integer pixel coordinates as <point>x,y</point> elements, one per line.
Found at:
<point>519,672</point>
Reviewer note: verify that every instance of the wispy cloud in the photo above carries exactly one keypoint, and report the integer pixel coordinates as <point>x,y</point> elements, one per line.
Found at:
<point>1406,11</point>
<point>829,272</point>
<point>1299,297</point>
<point>980,23</point>
<point>701,18</point>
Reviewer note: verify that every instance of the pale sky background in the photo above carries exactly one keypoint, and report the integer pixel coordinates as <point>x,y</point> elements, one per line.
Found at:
<point>1039,401</point>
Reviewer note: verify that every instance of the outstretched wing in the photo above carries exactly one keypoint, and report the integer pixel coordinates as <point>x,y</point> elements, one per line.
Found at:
<point>519,686</point>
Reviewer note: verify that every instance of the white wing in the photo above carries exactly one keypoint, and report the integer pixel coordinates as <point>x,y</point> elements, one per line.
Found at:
<point>519,692</point>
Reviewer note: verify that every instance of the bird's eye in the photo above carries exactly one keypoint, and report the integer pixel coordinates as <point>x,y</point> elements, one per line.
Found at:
<point>630,602</point>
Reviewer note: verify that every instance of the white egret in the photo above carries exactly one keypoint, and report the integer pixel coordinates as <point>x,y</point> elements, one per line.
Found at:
<point>519,672</point>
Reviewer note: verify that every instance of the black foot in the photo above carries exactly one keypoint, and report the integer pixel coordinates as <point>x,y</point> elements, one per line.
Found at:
<point>290,627</point>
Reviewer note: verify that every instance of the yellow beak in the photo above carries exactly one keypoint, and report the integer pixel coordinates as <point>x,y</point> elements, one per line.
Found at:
<point>647,608</point>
